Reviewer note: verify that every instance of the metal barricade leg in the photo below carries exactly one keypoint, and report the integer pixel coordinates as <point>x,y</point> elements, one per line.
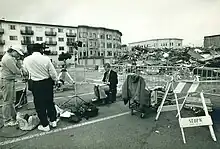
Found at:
<point>178,112</point>
<point>162,103</point>
<point>181,107</point>
<point>207,114</point>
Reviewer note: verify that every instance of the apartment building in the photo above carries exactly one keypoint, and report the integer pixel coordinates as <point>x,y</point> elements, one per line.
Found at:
<point>170,43</point>
<point>212,41</point>
<point>99,45</point>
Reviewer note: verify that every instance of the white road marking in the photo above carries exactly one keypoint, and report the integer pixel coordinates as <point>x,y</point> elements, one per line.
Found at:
<point>60,129</point>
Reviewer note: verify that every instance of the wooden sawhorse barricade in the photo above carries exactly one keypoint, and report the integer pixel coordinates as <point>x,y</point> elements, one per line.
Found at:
<point>189,121</point>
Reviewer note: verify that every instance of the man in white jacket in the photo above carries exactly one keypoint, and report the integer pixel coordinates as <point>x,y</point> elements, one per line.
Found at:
<point>43,75</point>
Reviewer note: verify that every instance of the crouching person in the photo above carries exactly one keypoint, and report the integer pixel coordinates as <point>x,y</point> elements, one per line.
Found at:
<point>43,75</point>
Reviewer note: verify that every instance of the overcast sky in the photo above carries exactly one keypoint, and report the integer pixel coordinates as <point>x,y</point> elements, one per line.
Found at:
<point>138,20</point>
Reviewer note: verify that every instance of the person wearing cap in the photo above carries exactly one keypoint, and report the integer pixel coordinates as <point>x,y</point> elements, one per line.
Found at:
<point>8,75</point>
<point>43,75</point>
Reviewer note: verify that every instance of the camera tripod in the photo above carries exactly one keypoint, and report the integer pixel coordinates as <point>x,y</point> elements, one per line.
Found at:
<point>63,74</point>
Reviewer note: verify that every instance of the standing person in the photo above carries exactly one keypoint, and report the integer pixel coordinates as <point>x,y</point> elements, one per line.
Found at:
<point>8,74</point>
<point>43,75</point>
<point>111,79</point>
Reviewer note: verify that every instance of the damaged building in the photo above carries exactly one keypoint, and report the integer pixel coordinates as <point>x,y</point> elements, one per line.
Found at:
<point>212,41</point>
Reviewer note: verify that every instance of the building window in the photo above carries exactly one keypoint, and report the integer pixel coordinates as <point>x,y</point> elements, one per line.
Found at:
<point>94,35</point>
<point>39,38</point>
<point>109,53</point>
<point>71,51</point>
<point>98,53</point>
<point>61,39</point>
<point>13,37</point>
<point>84,53</point>
<point>102,36</point>
<point>60,30</point>
<point>50,39</point>
<point>27,38</point>
<point>84,45</point>
<point>114,46</point>
<point>109,37</point>
<point>109,45</point>
<point>28,28</point>
<point>80,54</point>
<point>61,48</point>
<point>12,27</point>
<point>90,52</point>
<point>70,39</point>
<point>90,35</point>
<point>179,44</point>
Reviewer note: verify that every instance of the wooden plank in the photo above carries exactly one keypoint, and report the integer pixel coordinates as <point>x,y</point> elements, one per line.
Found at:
<point>179,87</point>
<point>197,106</point>
<point>169,108</point>
<point>198,100</point>
<point>193,87</point>
<point>195,121</point>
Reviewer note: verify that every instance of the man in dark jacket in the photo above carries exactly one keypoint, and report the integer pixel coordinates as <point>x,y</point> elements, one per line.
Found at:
<point>107,91</point>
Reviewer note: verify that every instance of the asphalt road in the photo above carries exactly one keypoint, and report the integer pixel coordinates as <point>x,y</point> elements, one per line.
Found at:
<point>113,128</point>
<point>116,132</point>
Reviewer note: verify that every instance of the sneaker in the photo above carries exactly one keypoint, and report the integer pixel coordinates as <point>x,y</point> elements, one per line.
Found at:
<point>11,123</point>
<point>40,127</point>
<point>54,123</point>
<point>94,99</point>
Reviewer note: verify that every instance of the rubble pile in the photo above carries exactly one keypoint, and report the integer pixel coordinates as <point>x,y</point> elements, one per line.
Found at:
<point>187,57</point>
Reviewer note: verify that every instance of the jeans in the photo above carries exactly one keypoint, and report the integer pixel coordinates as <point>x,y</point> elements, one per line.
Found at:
<point>9,97</point>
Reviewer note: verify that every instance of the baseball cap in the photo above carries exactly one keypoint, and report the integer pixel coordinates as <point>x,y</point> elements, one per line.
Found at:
<point>17,49</point>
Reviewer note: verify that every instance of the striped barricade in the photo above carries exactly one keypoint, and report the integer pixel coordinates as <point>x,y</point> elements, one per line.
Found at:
<point>187,87</point>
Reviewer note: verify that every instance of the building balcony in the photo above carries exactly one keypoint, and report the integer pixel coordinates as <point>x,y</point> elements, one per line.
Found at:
<point>2,42</point>
<point>53,53</point>
<point>52,43</point>
<point>70,43</point>
<point>1,31</point>
<point>71,34</point>
<point>27,42</point>
<point>84,57</point>
<point>50,33</point>
<point>27,32</point>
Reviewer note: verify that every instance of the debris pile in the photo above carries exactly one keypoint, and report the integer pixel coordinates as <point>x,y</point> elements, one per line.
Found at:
<point>187,57</point>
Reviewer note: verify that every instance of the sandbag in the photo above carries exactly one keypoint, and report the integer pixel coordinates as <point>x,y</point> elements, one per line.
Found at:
<point>27,122</point>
